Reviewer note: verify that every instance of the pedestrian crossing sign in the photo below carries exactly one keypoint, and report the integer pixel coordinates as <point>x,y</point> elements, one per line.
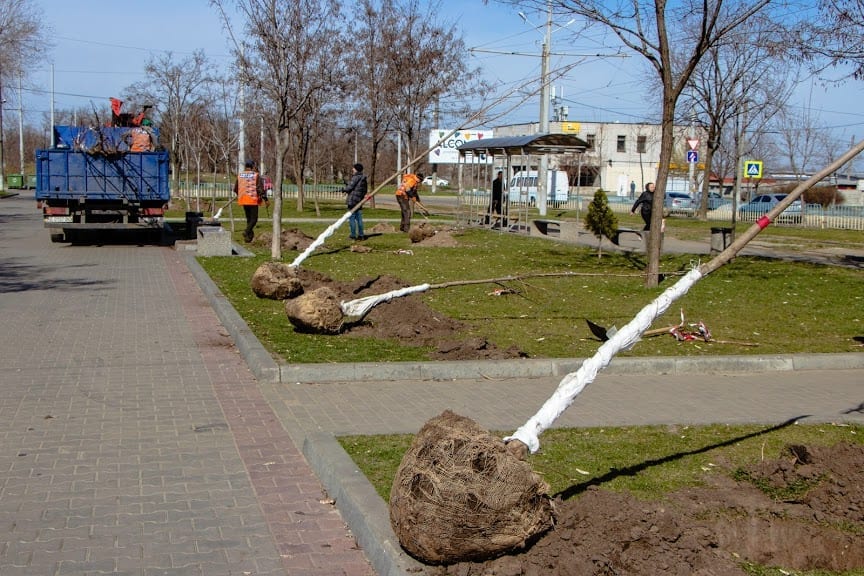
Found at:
<point>753,169</point>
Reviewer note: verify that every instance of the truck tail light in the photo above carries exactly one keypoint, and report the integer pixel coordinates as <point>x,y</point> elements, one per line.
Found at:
<point>56,211</point>
<point>152,211</point>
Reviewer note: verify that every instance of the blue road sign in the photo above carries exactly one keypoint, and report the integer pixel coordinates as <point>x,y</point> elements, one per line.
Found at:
<point>692,156</point>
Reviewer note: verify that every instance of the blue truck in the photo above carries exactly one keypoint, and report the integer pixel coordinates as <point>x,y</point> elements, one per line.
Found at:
<point>93,180</point>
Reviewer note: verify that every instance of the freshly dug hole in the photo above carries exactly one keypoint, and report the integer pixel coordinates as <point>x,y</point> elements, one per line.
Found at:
<point>460,495</point>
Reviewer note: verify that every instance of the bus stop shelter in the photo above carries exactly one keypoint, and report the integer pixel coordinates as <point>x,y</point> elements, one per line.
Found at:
<point>480,160</point>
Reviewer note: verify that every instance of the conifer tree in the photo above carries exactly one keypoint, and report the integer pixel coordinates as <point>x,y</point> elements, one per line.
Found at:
<point>600,220</point>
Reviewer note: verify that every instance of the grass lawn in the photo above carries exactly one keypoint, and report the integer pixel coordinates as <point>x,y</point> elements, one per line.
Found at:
<point>647,461</point>
<point>782,307</point>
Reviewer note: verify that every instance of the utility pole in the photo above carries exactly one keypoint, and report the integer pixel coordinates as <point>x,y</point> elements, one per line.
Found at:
<point>542,176</point>
<point>435,164</point>
<point>2,158</point>
<point>261,147</point>
<point>241,152</point>
<point>691,166</point>
<point>21,133</point>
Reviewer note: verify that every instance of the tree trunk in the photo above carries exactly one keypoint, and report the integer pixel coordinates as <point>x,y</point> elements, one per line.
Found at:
<point>281,146</point>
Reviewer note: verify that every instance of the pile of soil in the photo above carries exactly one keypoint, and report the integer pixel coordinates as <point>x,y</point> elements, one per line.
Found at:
<point>814,522</point>
<point>408,318</point>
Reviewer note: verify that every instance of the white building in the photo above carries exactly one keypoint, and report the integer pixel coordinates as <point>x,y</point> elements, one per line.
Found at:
<point>622,157</point>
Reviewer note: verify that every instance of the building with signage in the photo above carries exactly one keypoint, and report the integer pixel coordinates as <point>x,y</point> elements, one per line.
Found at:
<point>622,157</point>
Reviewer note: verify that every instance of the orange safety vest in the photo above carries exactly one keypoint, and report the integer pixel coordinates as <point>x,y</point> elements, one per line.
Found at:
<point>247,189</point>
<point>140,140</point>
<point>409,181</point>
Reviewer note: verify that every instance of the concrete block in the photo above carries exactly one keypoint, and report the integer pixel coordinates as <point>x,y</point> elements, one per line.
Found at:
<point>213,241</point>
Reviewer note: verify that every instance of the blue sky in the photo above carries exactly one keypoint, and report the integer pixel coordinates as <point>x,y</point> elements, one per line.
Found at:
<point>101,46</point>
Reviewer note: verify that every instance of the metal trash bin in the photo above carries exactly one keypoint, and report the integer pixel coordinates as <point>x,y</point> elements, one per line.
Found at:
<point>15,181</point>
<point>193,220</point>
<point>721,238</point>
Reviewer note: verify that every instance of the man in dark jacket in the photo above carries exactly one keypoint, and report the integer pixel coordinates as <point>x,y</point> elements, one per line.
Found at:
<point>644,204</point>
<point>356,191</point>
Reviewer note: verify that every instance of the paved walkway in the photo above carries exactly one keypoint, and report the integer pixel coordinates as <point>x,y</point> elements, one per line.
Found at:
<point>136,440</point>
<point>139,441</point>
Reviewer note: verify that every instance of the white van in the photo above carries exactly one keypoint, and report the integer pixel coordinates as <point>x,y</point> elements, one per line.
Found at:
<point>523,187</point>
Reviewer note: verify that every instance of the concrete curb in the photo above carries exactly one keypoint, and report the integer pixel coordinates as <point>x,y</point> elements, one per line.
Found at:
<point>362,508</point>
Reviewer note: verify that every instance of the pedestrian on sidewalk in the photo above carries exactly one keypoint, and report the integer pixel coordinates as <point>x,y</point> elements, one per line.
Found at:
<point>644,203</point>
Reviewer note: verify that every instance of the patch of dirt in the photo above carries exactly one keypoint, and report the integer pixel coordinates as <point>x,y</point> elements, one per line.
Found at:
<point>407,319</point>
<point>815,521</point>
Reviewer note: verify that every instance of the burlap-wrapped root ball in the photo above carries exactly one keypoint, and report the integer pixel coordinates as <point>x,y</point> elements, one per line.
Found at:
<point>459,495</point>
<point>317,311</point>
<point>276,281</point>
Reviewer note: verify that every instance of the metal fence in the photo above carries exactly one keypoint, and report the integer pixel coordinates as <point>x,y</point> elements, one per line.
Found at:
<point>206,192</point>
<point>474,202</point>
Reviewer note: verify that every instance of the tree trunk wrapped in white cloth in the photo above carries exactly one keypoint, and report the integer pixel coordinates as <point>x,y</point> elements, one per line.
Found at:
<point>572,384</point>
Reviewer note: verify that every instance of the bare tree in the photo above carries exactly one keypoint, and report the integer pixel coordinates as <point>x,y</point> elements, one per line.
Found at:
<point>741,73</point>
<point>22,38</point>
<point>428,65</point>
<point>376,39</point>
<point>289,55</point>
<point>643,27</point>
<point>173,88</point>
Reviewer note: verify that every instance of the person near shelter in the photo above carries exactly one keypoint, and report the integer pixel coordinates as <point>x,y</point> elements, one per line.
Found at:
<point>497,193</point>
<point>643,203</point>
<point>249,190</point>
<point>406,195</point>
<point>356,191</point>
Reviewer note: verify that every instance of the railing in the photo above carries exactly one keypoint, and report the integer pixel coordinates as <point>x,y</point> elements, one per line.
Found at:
<point>815,216</point>
<point>223,191</point>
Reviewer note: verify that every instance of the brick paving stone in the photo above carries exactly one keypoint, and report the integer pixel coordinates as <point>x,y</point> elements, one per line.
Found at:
<point>121,395</point>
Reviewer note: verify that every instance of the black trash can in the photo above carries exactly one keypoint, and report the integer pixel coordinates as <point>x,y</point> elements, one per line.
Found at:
<point>193,220</point>
<point>721,238</point>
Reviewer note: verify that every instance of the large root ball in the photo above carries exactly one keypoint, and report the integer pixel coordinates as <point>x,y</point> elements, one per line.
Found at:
<point>317,311</point>
<point>276,281</point>
<point>459,495</point>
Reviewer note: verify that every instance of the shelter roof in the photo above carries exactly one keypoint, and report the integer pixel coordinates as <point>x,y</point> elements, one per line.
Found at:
<point>533,144</point>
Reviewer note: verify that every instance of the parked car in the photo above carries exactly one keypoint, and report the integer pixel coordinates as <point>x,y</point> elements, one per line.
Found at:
<point>438,182</point>
<point>764,202</point>
<point>678,202</point>
<point>715,200</point>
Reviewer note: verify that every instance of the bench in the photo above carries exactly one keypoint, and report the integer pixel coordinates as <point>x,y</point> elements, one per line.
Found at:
<point>616,238</point>
<point>548,227</point>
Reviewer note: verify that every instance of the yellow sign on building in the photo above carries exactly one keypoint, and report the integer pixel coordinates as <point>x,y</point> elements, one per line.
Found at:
<point>570,127</point>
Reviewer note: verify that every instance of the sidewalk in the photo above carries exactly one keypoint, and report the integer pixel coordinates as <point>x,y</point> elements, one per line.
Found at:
<point>148,432</point>
<point>317,403</point>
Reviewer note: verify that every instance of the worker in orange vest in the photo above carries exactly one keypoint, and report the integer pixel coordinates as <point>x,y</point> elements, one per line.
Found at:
<point>406,195</point>
<point>141,138</point>
<point>249,189</point>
